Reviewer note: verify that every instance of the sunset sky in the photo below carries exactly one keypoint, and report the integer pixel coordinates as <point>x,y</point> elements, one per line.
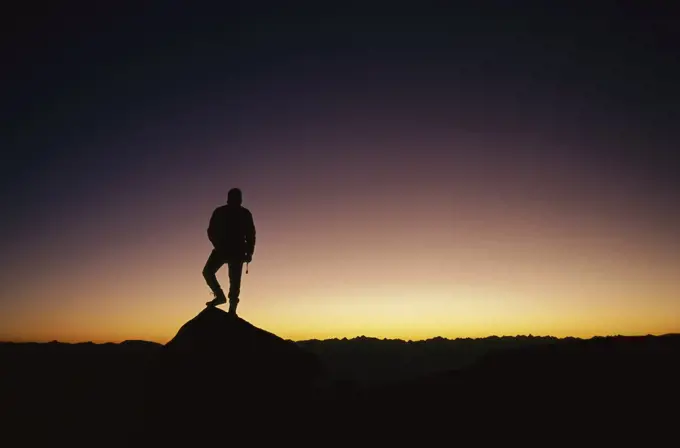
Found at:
<point>412,172</point>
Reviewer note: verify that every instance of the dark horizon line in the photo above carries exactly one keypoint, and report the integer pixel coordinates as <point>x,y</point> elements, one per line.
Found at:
<point>355,338</point>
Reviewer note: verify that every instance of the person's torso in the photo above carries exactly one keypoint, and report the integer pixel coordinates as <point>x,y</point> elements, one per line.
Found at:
<point>231,225</point>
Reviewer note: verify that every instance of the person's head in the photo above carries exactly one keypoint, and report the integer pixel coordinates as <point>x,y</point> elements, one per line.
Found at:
<point>235,197</point>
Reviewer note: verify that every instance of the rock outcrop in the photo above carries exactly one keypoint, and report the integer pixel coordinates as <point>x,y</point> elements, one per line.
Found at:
<point>225,347</point>
<point>221,369</point>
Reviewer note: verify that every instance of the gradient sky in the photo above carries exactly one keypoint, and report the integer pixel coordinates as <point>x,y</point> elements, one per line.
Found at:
<point>412,172</point>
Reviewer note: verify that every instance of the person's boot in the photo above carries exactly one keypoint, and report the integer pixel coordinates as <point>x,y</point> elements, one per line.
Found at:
<point>218,300</point>
<point>233,303</point>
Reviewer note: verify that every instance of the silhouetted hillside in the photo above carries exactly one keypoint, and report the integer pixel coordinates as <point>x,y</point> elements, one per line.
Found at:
<point>601,390</point>
<point>57,391</point>
<point>372,361</point>
<point>221,372</point>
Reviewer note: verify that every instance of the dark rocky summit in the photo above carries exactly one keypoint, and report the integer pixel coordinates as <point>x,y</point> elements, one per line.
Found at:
<point>219,369</point>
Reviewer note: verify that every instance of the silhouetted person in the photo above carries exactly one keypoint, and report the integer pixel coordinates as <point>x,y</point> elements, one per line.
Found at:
<point>232,233</point>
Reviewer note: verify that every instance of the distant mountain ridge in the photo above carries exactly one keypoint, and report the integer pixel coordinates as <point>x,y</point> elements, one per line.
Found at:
<point>362,360</point>
<point>364,338</point>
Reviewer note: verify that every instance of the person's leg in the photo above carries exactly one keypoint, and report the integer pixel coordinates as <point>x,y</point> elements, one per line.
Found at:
<point>235,272</point>
<point>212,265</point>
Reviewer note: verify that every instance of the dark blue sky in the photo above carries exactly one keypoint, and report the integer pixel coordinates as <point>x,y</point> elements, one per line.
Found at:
<point>81,73</point>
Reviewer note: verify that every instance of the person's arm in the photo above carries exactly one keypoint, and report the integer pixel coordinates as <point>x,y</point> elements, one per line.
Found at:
<point>212,229</point>
<point>250,235</point>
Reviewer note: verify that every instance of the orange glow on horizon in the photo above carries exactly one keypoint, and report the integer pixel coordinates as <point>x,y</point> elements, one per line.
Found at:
<point>459,280</point>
